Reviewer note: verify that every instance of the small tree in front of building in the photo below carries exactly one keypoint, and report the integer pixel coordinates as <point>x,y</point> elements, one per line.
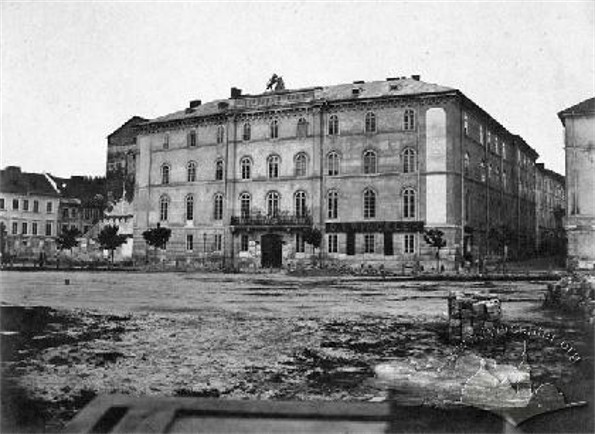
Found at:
<point>68,239</point>
<point>157,237</point>
<point>109,239</point>
<point>435,238</point>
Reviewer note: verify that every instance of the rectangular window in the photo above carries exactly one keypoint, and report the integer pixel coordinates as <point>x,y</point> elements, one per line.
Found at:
<point>15,204</point>
<point>64,228</point>
<point>48,229</point>
<point>24,228</point>
<point>25,205</point>
<point>35,206</point>
<point>218,242</point>
<point>466,123</point>
<point>2,203</point>
<point>244,243</point>
<point>189,242</point>
<point>333,245</point>
<point>34,228</point>
<point>65,213</point>
<point>15,228</point>
<point>87,214</point>
<point>300,245</point>
<point>49,207</point>
<point>481,140</point>
<point>192,139</point>
<point>368,243</point>
<point>166,141</point>
<point>73,213</point>
<point>409,243</point>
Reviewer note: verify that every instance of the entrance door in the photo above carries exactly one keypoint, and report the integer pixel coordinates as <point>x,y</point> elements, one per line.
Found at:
<point>270,251</point>
<point>388,244</point>
<point>350,243</point>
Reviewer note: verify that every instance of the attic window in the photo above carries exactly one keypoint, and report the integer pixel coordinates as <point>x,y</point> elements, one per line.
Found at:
<point>395,87</point>
<point>355,91</point>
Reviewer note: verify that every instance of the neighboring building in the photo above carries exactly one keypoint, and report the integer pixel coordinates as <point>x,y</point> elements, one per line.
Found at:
<point>29,212</point>
<point>551,208</point>
<point>369,164</point>
<point>579,124</point>
<point>121,155</point>
<point>82,202</point>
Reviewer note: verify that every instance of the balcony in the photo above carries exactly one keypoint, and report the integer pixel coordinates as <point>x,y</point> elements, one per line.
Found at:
<point>281,220</point>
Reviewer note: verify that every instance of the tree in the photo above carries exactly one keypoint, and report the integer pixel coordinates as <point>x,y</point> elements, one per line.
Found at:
<point>435,238</point>
<point>68,239</point>
<point>313,236</point>
<point>503,236</point>
<point>157,237</point>
<point>109,239</point>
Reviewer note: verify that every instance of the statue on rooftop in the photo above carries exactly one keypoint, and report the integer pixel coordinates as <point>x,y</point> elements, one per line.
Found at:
<point>277,82</point>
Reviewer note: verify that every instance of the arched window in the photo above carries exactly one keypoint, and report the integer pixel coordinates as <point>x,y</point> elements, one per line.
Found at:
<point>163,208</point>
<point>246,167</point>
<point>273,166</point>
<point>409,203</point>
<point>409,120</point>
<point>369,204</point>
<point>218,207</point>
<point>302,128</point>
<point>272,203</point>
<point>370,162</point>
<point>301,210</point>
<point>189,207</point>
<point>333,125</point>
<point>191,171</point>
<point>333,204</point>
<point>191,138</point>
<point>245,201</point>
<point>409,163</point>
<point>274,129</point>
<point>370,123</point>
<point>247,133</point>
<point>219,170</point>
<point>220,134</point>
<point>301,164</point>
<point>165,174</point>
<point>332,162</point>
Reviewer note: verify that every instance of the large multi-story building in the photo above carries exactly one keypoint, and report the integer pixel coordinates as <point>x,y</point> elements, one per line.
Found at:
<point>551,207</point>
<point>370,165</point>
<point>28,214</point>
<point>121,156</point>
<point>579,124</point>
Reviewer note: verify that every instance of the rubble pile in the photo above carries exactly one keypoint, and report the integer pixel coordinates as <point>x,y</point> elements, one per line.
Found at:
<point>471,314</point>
<point>573,294</point>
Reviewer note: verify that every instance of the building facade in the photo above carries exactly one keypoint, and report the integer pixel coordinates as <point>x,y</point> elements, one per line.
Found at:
<point>29,206</point>
<point>369,165</point>
<point>551,208</point>
<point>579,126</point>
<point>121,155</point>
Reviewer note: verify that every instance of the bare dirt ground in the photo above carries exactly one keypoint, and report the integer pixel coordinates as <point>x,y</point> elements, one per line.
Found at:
<point>250,337</point>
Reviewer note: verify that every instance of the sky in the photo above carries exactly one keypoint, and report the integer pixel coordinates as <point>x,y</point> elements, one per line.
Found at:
<point>72,73</point>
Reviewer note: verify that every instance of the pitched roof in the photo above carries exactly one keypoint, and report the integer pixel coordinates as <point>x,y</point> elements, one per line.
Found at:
<point>12,180</point>
<point>582,108</point>
<point>373,89</point>
<point>135,120</point>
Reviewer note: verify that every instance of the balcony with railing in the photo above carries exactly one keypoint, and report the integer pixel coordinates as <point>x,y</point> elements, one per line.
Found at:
<point>281,220</point>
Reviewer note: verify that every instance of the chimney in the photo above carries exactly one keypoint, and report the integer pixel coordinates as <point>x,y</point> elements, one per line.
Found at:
<point>392,78</point>
<point>416,77</point>
<point>195,103</point>
<point>359,82</point>
<point>13,172</point>
<point>235,93</point>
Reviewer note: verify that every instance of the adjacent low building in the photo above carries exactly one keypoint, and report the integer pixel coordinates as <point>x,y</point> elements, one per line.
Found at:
<point>29,206</point>
<point>579,126</point>
<point>551,208</point>
<point>370,165</point>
